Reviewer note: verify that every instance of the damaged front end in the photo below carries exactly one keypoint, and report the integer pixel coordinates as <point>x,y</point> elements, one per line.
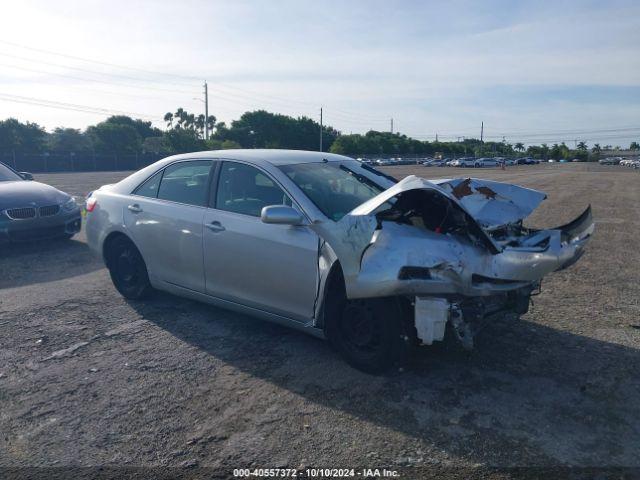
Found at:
<point>457,249</point>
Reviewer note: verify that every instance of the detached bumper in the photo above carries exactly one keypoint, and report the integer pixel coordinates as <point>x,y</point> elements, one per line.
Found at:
<point>40,228</point>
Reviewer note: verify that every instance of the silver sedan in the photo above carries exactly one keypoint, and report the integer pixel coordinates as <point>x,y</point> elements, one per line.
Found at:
<point>331,246</point>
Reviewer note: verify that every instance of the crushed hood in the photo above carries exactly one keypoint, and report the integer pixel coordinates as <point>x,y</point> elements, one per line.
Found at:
<point>493,204</point>
<point>372,252</point>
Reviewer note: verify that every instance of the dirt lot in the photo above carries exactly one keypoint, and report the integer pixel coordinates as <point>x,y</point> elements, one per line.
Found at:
<point>87,378</point>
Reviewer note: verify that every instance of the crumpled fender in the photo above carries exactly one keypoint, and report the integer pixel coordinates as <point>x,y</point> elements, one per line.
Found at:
<point>372,257</point>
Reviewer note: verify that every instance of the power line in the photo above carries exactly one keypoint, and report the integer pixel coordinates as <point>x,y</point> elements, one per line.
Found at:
<point>244,93</point>
<point>525,134</point>
<point>105,92</point>
<point>82,59</point>
<point>143,87</point>
<point>72,107</point>
<point>69,67</point>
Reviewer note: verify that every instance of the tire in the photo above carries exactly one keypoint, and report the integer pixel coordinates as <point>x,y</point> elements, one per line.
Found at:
<point>370,334</point>
<point>127,269</point>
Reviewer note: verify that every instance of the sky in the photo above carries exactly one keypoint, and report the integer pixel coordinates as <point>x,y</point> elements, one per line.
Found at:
<point>532,71</point>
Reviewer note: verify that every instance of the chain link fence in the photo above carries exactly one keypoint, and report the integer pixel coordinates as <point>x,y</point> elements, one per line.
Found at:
<point>104,162</point>
<point>77,162</point>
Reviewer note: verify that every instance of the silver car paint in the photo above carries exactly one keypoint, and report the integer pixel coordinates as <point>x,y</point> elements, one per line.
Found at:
<point>170,235</point>
<point>311,257</point>
<point>266,266</point>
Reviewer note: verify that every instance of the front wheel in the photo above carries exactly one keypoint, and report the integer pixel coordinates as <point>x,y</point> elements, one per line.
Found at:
<point>370,334</point>
<point>127,269</point>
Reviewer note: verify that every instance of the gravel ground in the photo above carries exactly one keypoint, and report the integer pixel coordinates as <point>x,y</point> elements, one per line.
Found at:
<point>90,379</point>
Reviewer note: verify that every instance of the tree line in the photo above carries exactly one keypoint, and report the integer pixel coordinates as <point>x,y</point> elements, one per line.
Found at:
<point>186,132</point>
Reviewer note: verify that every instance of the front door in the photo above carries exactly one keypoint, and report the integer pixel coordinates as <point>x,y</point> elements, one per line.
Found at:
<point>165,218</point>
<point>270,267</point>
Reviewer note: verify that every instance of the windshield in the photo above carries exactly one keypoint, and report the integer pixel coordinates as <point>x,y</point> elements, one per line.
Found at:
<point>8,175</point>
<point>334,188</point>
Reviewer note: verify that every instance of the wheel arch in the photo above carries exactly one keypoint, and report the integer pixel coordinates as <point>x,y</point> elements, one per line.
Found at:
<point>109,241</point>
<point>332,292</point>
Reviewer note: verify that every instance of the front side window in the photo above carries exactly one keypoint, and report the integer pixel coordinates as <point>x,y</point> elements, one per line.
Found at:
<point>334,188</point>
<point>186,182</point>
<point>245,189</point>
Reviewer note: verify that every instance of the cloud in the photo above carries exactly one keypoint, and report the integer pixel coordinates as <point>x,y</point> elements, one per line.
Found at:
<point>431,65</point>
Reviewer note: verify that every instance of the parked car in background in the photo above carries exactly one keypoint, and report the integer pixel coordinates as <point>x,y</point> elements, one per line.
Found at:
<point>434,163</point>
<point>466,162</point>
<point>527,161</point>
<point>627,162</point>
<point>488,162</point>
<point>610,161</point>
<point>330,246</point>
<point>32,210</point>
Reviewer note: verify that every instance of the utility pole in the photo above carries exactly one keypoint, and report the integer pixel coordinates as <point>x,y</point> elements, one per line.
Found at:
<point>320,128</point>
<point>436,138</point>
<point>206,111</point>
<point>482,132</point>
<point>392,126</point>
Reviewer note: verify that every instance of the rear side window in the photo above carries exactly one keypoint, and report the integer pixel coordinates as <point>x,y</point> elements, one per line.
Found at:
<point>186,182</point>
<point>150,187</point>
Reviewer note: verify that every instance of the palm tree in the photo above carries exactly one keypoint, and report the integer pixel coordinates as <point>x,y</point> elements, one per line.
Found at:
<point>180,115</point>
<point>519,147</point>
<point>211,122</point>
<point>168,117</point>
<point>596,148</point>
<point>199,124</point>
<point>582,146</point>
<point>190,121</point>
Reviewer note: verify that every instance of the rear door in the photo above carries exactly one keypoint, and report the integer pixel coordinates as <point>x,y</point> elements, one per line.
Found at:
<point>265,266</point>
<point>165,217</point>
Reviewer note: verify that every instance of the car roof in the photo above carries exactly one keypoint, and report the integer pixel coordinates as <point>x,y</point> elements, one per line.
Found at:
<point>275,157</point>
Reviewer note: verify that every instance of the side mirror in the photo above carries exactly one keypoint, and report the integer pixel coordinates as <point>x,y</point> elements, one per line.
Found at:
<point>26,175</point>
<point>281,215</point>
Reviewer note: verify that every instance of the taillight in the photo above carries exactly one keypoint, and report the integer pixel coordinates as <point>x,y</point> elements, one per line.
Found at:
<point>91,204</point>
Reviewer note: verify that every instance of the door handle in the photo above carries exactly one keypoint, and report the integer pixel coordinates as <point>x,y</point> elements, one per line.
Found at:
<point>215,226</point>
<point>135,208</point>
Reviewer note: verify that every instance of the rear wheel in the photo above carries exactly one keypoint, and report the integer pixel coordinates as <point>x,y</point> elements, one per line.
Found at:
<point>127,269</point>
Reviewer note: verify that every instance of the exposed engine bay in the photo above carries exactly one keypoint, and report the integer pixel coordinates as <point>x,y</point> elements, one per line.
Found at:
<point>457,249</point>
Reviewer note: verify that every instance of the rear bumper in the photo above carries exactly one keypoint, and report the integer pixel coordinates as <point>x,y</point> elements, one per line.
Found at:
<point>16,231</point>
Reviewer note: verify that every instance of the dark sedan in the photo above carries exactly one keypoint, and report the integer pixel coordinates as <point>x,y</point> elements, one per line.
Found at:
<point>31,210</point>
